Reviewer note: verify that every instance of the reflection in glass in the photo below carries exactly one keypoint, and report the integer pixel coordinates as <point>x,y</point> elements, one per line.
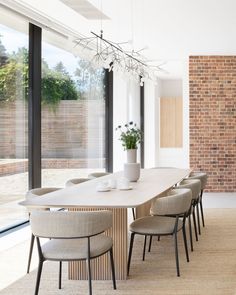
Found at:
<point>13,125</point>
<point>73,116</point>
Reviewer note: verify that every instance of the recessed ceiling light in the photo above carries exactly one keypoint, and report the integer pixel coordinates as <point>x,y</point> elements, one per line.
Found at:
<point>86,9</point>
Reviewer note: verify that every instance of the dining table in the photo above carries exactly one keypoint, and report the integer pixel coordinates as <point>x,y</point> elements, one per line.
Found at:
<point>153,183</point>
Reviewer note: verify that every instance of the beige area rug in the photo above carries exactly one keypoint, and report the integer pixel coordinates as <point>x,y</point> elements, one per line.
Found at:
<point>211,271</point>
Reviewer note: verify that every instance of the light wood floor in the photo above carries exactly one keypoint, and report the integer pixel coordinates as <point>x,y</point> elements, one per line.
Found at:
<point>211,271</point>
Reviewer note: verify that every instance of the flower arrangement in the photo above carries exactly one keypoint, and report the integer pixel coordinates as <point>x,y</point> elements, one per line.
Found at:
<point>131,136</point>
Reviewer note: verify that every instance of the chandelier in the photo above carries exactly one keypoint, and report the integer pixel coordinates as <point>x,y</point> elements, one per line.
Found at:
<point>111,55</point>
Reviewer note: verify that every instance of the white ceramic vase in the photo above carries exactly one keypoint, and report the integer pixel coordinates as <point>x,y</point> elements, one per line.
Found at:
<point>132,171</point>
<point>132,156</point>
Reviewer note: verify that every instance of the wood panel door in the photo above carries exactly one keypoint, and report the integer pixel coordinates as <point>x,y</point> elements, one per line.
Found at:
<point>171,122</point>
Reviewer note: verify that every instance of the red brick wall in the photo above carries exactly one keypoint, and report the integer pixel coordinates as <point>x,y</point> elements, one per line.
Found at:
<point>20,166</point>
<point>212,90</point>
<point>72,130</point>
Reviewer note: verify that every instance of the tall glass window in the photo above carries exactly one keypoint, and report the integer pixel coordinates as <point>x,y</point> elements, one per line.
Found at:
<point>13,119</point>
<point>73,114</point>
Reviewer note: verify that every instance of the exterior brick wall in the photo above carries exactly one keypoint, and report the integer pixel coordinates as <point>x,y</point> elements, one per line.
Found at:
<point>21,166</point>
<point>212,90</point>
<point>72,136</point>
<point>73,130</point>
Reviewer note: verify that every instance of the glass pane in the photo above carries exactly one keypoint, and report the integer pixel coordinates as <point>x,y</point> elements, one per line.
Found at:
<point>13,121</point>
<point>73,115</point>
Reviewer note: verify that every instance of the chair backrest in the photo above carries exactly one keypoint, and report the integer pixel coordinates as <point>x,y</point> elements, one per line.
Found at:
<point>37,192</point>
<point>67,224</point>
<point>193,184</point>
<point>97,174</point>
<point>177,201</point>
<point>75,181</point>
<point>202,176</point>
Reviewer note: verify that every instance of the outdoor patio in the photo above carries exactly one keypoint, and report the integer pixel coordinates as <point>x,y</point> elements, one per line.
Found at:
<point>15,186</point>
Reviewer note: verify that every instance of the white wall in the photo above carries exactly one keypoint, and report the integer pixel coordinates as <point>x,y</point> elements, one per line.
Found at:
<point>120,117</point>
<point>174,157</point>
<point>133,95</point>
<point>126,108</point>
<point>169,88</point>
<point>150,125</point>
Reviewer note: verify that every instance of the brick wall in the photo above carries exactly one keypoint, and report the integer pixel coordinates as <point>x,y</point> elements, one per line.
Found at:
<point>75,129</point>
<point>20,166</point>
<point>212,90</point>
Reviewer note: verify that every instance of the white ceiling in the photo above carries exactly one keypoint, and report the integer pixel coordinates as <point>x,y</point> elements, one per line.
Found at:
<point>170,29</point>
<point>86,9</point>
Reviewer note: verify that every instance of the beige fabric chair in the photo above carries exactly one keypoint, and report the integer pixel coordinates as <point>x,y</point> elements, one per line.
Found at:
<point>162,223</point>
<point>74,181</point>
<point>195,186</point>
<point>73,236</point>
<point>37,192</point>
<point>34,193</point>
<point>202,176</point>
<point>97,174</point>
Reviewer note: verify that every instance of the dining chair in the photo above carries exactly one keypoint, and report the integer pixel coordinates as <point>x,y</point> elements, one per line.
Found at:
<point>74,181</point>
<point>97,174</point>
<point>202,176</point>
<point>31,194</point>
<point>74,236</point>
<point>195,186</point>
<point>176,204</point>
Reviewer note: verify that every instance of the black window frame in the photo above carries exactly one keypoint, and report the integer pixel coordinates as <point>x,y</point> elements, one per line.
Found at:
<point>34,115</point>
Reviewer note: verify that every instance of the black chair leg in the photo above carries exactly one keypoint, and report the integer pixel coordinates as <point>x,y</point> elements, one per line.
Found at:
<point>198,219</point>
<point>133,211</point>
<point>89,275</point>
<point>40,266</point>
<point>150,244</point>
<point>159,238</point>
<point>176,254</point>
<point>190,232</point>
<point>113,269</point>
<point>60,268</point>
<point>195,224</point>
<point>185,243</point>
<point>130,251</point>
<point>201,207</point>
<point>144,247</point>
<point>30,252</point>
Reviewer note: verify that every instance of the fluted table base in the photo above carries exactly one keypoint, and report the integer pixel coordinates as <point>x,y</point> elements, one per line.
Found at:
<point>100,266</point>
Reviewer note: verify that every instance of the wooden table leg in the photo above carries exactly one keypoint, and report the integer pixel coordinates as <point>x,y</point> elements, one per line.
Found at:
<point>100,266</point>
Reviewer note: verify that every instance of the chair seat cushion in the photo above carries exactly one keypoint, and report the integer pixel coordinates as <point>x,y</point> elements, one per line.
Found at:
<point>154,225</point>
<point>75,249</point>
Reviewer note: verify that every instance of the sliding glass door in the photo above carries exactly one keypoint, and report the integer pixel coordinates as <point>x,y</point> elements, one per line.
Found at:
<point>73,114</point>
<point>13,119</point>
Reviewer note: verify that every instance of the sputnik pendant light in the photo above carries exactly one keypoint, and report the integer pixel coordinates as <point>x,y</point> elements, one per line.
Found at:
<point>108,54</point>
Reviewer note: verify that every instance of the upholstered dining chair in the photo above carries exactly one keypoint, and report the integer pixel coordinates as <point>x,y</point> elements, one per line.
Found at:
<point>202,176</point>
<point>33,193</point>
<point>195,186</point>
<point>74,236</point>
<point>74,181</point>
<point>97,174</point>
<point>177,204</point>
